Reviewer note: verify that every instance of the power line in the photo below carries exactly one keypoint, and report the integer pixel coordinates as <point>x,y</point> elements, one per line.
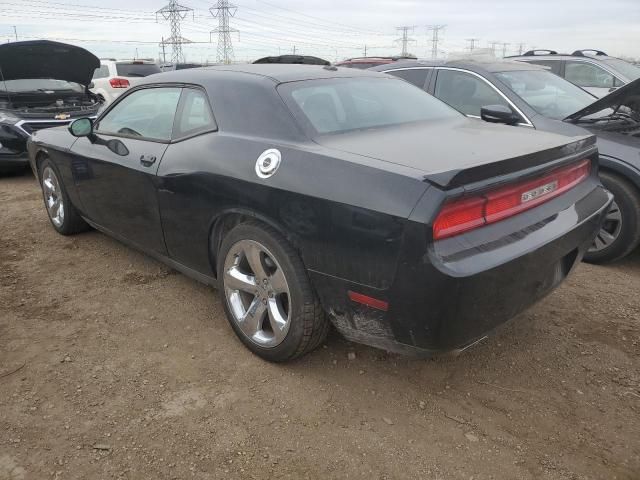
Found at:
<point>175,13</point>
<point>435,31</point>
<point>222,11</point>
<point>405,40</point>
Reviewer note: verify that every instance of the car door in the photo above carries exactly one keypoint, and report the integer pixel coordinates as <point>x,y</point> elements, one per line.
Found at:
<point>115,168</point>
<point>593,78</point>
<point>468,93</point>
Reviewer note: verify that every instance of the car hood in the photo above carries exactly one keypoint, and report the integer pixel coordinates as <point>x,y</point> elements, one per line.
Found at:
<point>459,151</point>
<point>628,95</point>
<point>46,59</point>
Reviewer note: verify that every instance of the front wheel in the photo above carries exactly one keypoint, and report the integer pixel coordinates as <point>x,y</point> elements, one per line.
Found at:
<point>620,233</point>
<point>62,214</point>
<point>267,296</point>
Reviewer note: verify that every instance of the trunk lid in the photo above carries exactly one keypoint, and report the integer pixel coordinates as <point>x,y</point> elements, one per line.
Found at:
<point>459,151</point>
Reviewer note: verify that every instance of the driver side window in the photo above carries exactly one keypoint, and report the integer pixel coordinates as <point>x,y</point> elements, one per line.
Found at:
<point>146,113</point>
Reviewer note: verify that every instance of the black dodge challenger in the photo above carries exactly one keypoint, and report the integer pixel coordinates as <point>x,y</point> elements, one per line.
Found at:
<point>311,195</point>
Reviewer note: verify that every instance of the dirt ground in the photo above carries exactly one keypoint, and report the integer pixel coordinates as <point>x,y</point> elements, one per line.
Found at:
<point>129,370</point>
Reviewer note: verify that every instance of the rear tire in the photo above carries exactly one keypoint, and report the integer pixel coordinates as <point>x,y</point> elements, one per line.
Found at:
<point>267,295</point>
<point>620,233</point>
<point>62,214</point>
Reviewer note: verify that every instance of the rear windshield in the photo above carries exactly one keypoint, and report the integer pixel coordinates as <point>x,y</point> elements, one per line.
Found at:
<point>345,104</point>
<point>136,69</point>
<point>632,72</point>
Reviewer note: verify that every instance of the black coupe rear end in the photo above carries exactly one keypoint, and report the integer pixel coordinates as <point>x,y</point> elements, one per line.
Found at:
<point>309,195</point>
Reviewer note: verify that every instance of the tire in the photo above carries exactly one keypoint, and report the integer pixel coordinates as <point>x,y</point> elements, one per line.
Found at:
<point>286,325</point>
<point>624,236</point>
<point>54,193</point>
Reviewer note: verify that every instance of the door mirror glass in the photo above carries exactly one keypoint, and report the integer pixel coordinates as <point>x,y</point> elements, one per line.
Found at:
<point>499,114</point>
<point>81,127</point>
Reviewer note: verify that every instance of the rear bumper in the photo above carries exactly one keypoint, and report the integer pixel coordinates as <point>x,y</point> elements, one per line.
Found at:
<point>449,295</point>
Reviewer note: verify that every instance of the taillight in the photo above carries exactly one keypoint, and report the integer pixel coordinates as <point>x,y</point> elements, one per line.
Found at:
<point>119,82</point>
<point>466,214</point>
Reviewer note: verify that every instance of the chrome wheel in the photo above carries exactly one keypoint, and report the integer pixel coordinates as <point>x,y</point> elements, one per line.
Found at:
<point>257,293</point>
<point>610,229</point>
<point>53,196</point>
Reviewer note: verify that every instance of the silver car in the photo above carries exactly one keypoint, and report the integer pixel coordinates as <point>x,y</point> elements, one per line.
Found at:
<point>593,70</point>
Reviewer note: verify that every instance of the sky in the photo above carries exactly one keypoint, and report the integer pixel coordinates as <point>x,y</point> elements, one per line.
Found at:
<point>332,29</point>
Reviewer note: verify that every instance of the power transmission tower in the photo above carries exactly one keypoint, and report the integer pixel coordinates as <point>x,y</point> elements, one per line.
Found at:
<point>222,11</point>
<point>472,44</point>
<point>504,49</point>
<point>175,13</point>
<point>405,38</point>
<point>435,37</point>
<point>520,48</point>
<point>494,44</point>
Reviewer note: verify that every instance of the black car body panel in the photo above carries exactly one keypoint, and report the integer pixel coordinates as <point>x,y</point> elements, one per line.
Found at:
<point>26,111</point>
<point>359,213</point>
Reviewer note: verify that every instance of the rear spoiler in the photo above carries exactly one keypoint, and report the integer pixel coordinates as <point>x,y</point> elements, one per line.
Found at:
<point>512,168</point>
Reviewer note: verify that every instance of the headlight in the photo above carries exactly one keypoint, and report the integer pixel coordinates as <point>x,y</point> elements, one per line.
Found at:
<point>6,117</point>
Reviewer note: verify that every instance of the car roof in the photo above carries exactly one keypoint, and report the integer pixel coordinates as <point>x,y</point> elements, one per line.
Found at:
<point>278,72</point>
<point>478,64</point>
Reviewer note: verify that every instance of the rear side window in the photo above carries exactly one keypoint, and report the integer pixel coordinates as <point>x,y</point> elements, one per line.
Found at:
<point>347,104</point>
<point>194,114</point>
<point>147,113</point>
<point>466,93</point>
<point>417,76</point>
<point>136,69</point>
<point>589,75</point>
<point>101,72</point>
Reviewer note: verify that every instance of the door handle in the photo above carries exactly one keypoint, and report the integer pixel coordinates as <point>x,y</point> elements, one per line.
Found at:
<point>147,160</point>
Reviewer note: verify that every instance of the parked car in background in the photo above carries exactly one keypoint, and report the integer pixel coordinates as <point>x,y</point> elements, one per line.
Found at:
<point>593,70</point>
<point>113,77</point>
<point>368,62</point>
<point>530,96</point>
<point>294,59</point>
<point>304,192</point>
<point>42,84</point>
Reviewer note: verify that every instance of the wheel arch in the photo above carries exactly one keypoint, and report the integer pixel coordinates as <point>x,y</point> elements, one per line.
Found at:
<point>40,156</point>
<point>617,167</point>
<point>224,221</point>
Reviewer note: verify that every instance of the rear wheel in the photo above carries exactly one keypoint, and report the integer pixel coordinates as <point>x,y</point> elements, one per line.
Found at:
<point>620,233</point>
<point>267,296</point>
<point>62,214</point>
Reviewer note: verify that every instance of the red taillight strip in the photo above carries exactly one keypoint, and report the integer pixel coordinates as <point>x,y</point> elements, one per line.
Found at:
<point>466,214</point>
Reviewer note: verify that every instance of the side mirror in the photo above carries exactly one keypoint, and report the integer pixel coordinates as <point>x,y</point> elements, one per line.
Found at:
<point>82,127</point>
<point>499,114</point>
<point>91,85</point>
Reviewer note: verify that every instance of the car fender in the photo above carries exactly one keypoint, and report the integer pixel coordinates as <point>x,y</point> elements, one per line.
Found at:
<point>621,168</point>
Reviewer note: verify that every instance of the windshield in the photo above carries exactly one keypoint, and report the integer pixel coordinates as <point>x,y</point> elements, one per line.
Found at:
<point>627,69</point>
<point>345,104</point>
<point>136,69</point>
<point>39,85</point>
<point>546,93</point>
